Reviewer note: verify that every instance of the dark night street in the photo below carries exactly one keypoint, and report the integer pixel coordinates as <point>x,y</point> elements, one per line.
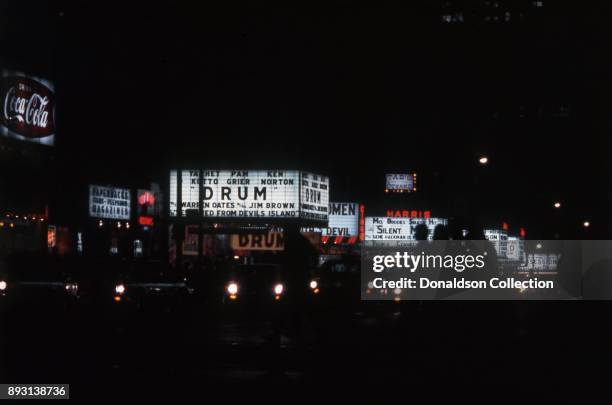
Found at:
<point>211,201</point>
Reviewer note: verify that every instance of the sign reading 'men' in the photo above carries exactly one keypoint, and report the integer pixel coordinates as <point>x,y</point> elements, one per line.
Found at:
<point>271,194</point>
<point>343,220</point>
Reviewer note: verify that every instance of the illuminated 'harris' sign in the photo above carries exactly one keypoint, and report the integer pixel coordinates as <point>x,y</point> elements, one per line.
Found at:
<point>408,214</point>
<point>272,194</point>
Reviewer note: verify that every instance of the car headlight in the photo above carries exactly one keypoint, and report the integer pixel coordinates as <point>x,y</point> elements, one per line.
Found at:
<point>120,289</point>
<point>3,285</point>
<point>278,289</point>
<point>232,288</point>
<point>72,287</point>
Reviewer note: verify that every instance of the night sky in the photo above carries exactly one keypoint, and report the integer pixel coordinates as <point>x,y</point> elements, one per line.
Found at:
<point>346,90</point>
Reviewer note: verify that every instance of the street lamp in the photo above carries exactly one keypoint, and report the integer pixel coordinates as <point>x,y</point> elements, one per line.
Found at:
<point>483,160</point>
<point>586,224</point>
<point>557,204</point>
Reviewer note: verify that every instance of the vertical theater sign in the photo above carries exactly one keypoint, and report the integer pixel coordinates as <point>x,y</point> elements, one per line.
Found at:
<point>27,108</point>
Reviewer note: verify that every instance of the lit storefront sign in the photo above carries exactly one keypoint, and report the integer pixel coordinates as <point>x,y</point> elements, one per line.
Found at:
<point>399,229</point>
<point>146,221</point>
<point>343,221</point>
<point>272,241</point>
<point>499,239</point>
<point>409,214</point>
<point>109,202</point>
<point>401,183</point>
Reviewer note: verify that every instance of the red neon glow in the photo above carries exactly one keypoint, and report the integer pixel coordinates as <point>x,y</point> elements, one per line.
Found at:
<point>505,226</point>
<point>409,214</point>
<point>361,222</point>
<point>145,221</point>
<point>146,198</point>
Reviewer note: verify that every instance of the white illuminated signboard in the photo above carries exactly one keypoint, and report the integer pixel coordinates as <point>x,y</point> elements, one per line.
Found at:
<point>399,229</point>
<point>314,197</point>
<point>272,194</point>
<point>515,250</point>
<point>499,239</point>
<point>109,202</point>
<point>173,192</point>
<point>343,220</point>
<point>541,263</point>
<point>404,182</point>
<point>190,191</point>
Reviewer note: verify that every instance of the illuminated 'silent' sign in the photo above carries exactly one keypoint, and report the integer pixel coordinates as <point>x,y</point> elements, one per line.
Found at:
<point>399,229</point>
<point>272,194</point>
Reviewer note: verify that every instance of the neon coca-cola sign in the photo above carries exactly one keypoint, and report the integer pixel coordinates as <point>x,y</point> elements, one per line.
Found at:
<point>27,107</point>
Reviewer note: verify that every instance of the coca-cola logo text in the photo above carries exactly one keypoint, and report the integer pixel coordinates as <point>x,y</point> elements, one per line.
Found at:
<point>26,107</point>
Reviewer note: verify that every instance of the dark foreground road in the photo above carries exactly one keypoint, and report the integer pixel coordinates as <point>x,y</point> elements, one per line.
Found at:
<point>558,349</point>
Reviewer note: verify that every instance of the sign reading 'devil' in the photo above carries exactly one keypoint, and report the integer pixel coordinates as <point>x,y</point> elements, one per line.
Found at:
<point>27,108</point>
<point>343,220</point>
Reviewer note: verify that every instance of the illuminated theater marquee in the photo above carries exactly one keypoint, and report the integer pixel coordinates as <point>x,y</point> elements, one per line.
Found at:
<point>250,194</point>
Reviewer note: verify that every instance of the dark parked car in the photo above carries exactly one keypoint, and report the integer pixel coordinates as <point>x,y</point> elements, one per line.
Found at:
<point>28,277</point>
<point>149,284</point>
<point>264,283</point>
<point>339,279</point>
<point>254,283</point>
